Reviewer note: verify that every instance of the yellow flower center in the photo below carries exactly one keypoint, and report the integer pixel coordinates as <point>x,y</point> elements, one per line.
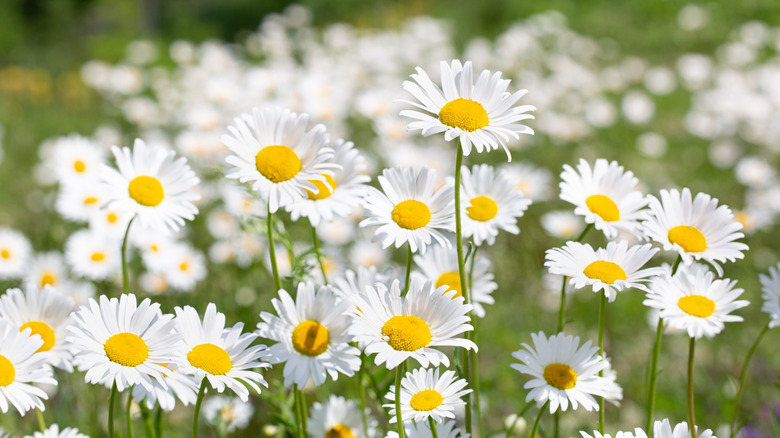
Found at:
<point>451,280</point>
<point>227,413</point>
<point>339,431</point>
<point>560,376</point>
<point>406,333</point>
<point>411,214</point>
<point>79,166</point>
<point>4,253</point>
<point>482,209</point>
<point>605,271</point>
<point>43,330</point>
<point>90,200</point>
<point>111,218</point>
<point>310,338</point>
<point>97,257</point>
<point>324,191</point>
<point>696,305</point>
<point>689,238</point>
<point>184,266</point>
<point>146,190</point>
<point>211,359</point>
<point>426,400</point>
<point>7,371</point>
<point>604,207</point>
<point>48,278</point>
<point>277,163</point>
<point>126,349</point>
<point>465,114</point>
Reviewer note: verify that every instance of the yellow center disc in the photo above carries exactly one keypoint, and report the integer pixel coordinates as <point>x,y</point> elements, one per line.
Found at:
<point>211,359</point>
<point>482,209</point>
<point>689,238</point>
<point>146,190</point>
<point>310,338</point>
<point>411,214</point>
<point>406,333</point>
<point>696,305</point>
<point>605,271</point>
<point>277,163</point>
<point>560,376</point>
<point>126,349</point>
<point>44,331</point>
<point>604,207</point>
<point>465,114</point>
<point>451,280</point>
<point>426,400</point>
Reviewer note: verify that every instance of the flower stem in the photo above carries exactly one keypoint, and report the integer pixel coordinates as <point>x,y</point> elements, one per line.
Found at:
<point>271,249</point>
<point>538,417</point>
<point>432,425</point>
<point>300,401</point>
<point>145,415</point>
<point>517,418</point>
<point>128,416</point>
<point>41,421</point>
<point>111,398</point>
<point>399,374</point>
<point>691,412</point>
<point>407,282</point>
<point>201,393</point>
<point>602,312</point>
<point>362,397</point>
<point>562,309</point>
<point>125,276</point>
<point>659,331</point>
<point>741,386</point>
<point>318,253</point>
<point>158,422</point>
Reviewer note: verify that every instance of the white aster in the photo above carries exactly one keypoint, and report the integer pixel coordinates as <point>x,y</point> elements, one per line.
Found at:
<point>339,418</point>
<point>15,251</point>
<point>21,368</point>
<point>770,292</point>
<point>425,394</point>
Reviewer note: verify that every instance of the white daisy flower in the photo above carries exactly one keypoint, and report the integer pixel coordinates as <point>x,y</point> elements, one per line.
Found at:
<point>409,210</point>
<point>155,246</point>
<point>76,160</point>
<point>110,222</point>
<point>228,413</point>
<point>637,433</point>
<point>79,202</point>
<point>311,336</point>
<point>446,429</point>
<point>178,386</point>
<point>694,300</point>
<point>153,185</point>
<point>425,394</point>
<point>605,195</point>
<point>490,204</point>
<point>339,418</point>
<point>15,251</point>
<point>221,355</point>
<point>663,429</point>
<point>440,265</point>
<point>93,255</point>
<point>340,194</point>
<point>563,371</point>
<point>355,283</point>
<point>533,182</point>
<point>610,269</point>
<point>398,328</point>
<point>562,224</point>
<point>46,312</point>
<point>54,432</point>
<point>770,292</point>
<point>274,151</point>
<point>481,114</point>
<point>121,342</point>
<point>21,368</point>
<point>183,266</point>
<point>696,228</point>
<point>46,268</point>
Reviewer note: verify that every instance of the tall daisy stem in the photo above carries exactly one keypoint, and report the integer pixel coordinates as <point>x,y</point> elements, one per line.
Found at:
<point>146,416</point>
<point>300,402</point>
<point>318,253</point>
<point>742,374</point>
<point>198,401</point>
<point>158,422</point>
<point>432,426</point>
<point>602,313</point>
<point>125,276</point>
<point>128,416</point>
<point>399,374</point>
<point>111,399</point>
<point>362,397</point>
<point>473,361</point>
<point>538,417</point>
<point>271,249</point>
<point>562,309</point>
<point>41,420</point>
<point>407,282</point>
<point>659,331</point>
<point>691,412</point>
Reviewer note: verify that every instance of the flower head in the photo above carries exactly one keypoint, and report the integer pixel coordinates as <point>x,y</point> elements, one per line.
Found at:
<point>425,394</point>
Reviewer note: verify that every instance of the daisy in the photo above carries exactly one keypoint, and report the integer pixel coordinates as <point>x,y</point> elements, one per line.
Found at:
<point>46,268</point>
<point>409,210</point>
<point>480,114</point>
<point>76,160</point>
<point>637,433</point>
<point>183,266</point>
<point>311,336</point>
<point>228,413</point>
<point>696,228</point>
<point>563,371</point>
<point>562,224</point>
<point>770,292</point>
<point>54,432</point>
<point>93,255</point>
<point>440,265</point>
<point>663,429</point>
<point>178,386</point>
<point>222,356</point>
<point>79,202</point>
<point>340,194</point>
<point>398,328</point>
<point>424,394</point>
<point>21,368</point>
<point>355,283</point>
<point>152,185</point>
<point>109,222</point>
<point>46,312</point>
<point>273,150</point>
<point>694,300</point>
<point>446,429</point>
<point>121,342</point>
<point>605,195</point>
<point>533,182</point>
<point>612,269</point>
<point>339,418</point>
<point>15,251</point>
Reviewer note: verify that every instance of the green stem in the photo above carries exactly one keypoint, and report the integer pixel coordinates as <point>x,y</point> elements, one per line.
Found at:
<point>602,313</point>
<point>125,276</point>
<point>742,375</point>
<point>158,422</point>
<point>517,418</point>
<point>432,425</point>
<point>201,393</point>
<point>562,309</point>
<point>473,361</point>
<point>128,416</point>
<point>362,397</point>
<point>556,423</point>
<point>318,253</point>
<point>407,281</point>
<point>676,264</point>
<point>691,413</point>
<point>300,398</point>
<point>41,421</point>
<point>659,331</point>
<point>271,249</point>
<point>584,232</point>
<point>111,399</point>
<point>148,426</point>
<point>538,417</point>
<point>399,374</point>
